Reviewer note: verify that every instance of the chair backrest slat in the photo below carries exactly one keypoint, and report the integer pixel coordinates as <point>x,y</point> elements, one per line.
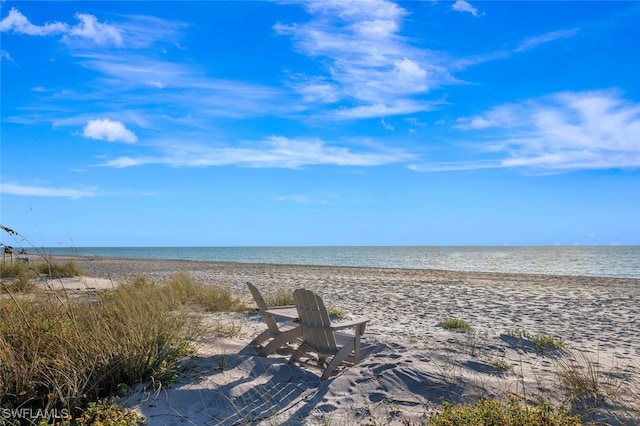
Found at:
<point>262,307</point>
<point>314,320</point>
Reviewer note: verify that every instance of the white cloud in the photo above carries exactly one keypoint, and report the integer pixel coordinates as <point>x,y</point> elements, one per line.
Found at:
<point>39,191</point>
<point>303,199</point>
<point>525,45</point>
<point>5,55</point>
<point>369,63</point>
<point>111,131</point>
<point>400,107</point>
<point>274,152</point>
<point>88,28</point>
<point>18,23</point>
<point>177,84</point>
<point>140,32</point>
<point>564,131</point>
<point>464,6</point>
<point>533,42</point>
<point>387,126</point>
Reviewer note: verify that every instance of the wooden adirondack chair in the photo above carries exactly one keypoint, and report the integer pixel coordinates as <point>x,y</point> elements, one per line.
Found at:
<point>279,334</point>
<point>322,337</point>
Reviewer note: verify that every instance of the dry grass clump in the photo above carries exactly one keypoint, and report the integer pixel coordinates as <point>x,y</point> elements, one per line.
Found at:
<point>186,291</point>
<point>279,297</point>
<point>59,270</point>
<point>22,276</point>
<point>584,382</point>
<point>67,353</point>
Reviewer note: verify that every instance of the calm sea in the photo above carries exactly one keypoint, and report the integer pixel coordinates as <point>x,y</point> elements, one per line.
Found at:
<point>603,261</point>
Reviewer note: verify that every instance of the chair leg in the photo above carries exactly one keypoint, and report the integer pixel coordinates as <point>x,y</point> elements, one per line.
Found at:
<point>302,349</point>
<point>342,354</point>
<point>279,340</point>
<point>261,337</point>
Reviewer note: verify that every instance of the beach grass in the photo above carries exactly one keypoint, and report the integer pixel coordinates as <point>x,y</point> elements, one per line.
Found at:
<point>68,353</point>
<point>279,297</point>
<point>23,276</point>
<point>585,382</point>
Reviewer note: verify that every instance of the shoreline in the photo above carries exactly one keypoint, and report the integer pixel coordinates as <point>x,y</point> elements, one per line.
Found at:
<point>590,311</point>
<point>136,261</point>
<point>599,261</point>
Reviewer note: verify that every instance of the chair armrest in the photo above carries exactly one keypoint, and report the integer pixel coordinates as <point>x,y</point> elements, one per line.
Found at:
<point>348,324</point>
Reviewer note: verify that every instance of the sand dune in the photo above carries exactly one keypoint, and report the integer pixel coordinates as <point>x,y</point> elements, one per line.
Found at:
<point>411,362</point>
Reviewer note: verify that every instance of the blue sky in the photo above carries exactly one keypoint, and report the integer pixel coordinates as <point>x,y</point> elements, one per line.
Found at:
<point>329,123</point>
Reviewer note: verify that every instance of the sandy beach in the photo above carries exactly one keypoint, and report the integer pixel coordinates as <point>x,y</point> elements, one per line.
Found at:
<point>411,363</point>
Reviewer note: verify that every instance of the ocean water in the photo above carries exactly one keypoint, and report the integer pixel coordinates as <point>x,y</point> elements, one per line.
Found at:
<point>602,261</point>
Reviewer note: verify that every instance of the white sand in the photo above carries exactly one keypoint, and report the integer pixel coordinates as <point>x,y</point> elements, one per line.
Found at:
<point>411,363</point>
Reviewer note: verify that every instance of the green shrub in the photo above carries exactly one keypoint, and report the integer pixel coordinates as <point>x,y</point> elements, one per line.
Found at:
<point>456,324</point>
<point>545,342</point>
<point>336,313</point>
<point>107,413</point>
<point>518,333</point>
<point>500,365</point>
<point>489,412</point>
<point>542,342</point>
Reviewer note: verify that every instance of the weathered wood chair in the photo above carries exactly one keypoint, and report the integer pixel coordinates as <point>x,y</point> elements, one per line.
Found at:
<point>322,337</point>
<point>279,334</point>
<point>8,250</point>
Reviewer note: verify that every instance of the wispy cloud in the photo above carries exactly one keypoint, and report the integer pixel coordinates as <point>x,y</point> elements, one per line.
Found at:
<point>141,31</point>
<point>108,130</point>
<point>525,45</point>
<point>369,62</point>
<point>274,152</point>
<point>560,132</point>
<point>5,55</point>
<point>41,191</point>
<point>305,199</point>
<point>464,6</point>
<point>178,87</point>
<point>88,28</point>
<point>533,42</point>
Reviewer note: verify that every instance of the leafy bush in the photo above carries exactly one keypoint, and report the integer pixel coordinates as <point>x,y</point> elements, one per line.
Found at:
<point>336,313</point>
<point>489,412</point>
<point>456,324</point>
<point>541,342</point>
<point>545,342</point>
